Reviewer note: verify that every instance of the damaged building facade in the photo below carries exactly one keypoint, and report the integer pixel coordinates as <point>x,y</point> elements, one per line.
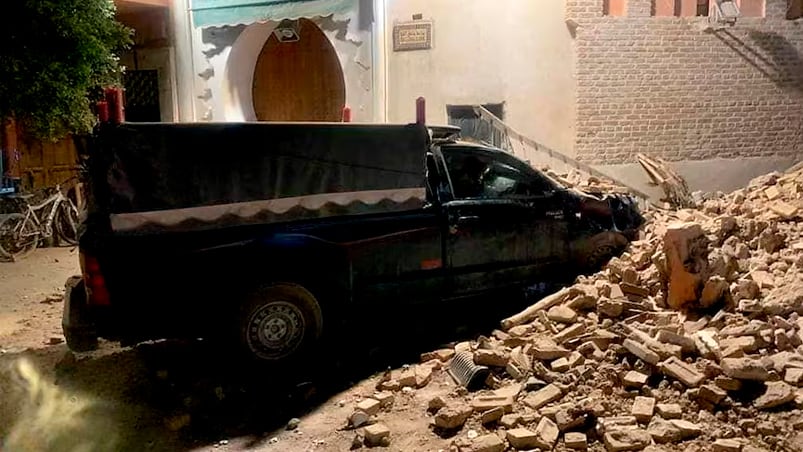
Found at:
<point>598,80</point>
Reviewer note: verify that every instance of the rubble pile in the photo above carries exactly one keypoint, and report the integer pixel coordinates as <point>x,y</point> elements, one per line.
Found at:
<point>692,338</point>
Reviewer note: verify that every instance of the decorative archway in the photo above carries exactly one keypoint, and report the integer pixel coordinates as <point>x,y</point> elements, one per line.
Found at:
<point>300,80</point>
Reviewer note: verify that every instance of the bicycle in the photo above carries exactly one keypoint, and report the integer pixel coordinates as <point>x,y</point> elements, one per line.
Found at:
<point>21,232</point>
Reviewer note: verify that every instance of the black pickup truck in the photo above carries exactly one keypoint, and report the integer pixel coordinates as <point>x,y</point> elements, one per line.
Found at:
<point>270,234</point>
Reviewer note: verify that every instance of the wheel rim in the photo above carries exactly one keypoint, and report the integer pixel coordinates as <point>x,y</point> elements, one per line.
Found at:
<point>67,224</point>
<point>14,240</point>
<point>276,330</point>
<point>599,255</point>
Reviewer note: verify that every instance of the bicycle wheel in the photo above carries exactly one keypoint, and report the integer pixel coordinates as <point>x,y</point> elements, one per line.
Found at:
<point>66,223</point>
<point>18,236</point>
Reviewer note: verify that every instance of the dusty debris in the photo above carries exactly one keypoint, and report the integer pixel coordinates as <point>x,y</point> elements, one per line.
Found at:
<point>693,335</point>
<point>453,416</point>
<point>377,435</point>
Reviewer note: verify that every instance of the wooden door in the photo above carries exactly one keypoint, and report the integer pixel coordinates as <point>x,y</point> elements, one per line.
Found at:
<point>299,81</point>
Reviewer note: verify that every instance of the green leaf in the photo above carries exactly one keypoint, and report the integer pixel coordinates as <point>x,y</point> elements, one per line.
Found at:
<point>55,56</point>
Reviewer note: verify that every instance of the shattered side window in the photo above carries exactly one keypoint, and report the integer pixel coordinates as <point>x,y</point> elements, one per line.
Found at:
<point>478,175</point>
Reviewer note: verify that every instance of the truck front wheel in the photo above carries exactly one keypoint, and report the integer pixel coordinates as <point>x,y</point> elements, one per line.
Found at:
<point>280,321</point>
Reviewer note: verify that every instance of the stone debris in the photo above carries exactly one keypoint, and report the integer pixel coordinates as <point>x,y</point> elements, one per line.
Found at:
<point>576,440</point>
<point>643,408</point>
<point>377,435</point>
<point>691,339</point>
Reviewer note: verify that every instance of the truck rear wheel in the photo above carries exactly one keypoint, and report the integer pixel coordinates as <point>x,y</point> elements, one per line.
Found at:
<point>279,322</point>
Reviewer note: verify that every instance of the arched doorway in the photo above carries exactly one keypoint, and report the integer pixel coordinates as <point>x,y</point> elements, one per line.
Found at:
<point>300,80</point>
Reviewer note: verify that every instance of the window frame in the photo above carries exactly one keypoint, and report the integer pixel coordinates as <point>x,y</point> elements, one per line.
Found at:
<point>501,157</point>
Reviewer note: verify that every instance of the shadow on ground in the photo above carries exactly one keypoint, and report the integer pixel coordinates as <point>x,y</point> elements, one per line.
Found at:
<point>182,395</point>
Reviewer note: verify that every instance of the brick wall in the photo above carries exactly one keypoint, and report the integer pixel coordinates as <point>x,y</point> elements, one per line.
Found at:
<point>665,86</point>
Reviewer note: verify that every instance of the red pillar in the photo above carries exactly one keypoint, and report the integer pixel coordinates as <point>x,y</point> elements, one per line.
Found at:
<point>420,111</point>
<point>114,97</point>
<point>346,114</point>
<point>10,154</point>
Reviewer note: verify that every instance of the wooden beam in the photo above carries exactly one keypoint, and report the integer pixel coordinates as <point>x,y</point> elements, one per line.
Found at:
<point>127,4</point>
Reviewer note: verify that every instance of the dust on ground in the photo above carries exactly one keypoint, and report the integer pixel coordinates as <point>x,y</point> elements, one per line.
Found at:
<point>189,396</point>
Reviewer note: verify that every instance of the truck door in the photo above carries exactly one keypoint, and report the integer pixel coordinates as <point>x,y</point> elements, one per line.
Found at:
<point>504,228</point>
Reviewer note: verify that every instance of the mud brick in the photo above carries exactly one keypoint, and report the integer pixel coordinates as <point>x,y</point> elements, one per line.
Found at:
<point>643,408</point>
<point>543,396</point>
<point>522,438</point>
<point>641,351</point>
<point>369,406</point>
<point>634,379</point>
<point>669,410</point>
<point>685,373</point>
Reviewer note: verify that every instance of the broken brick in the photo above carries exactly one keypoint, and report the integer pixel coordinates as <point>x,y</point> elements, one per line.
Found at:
<point>546,434</point>
<point>778,393</point>
<point>634,379</point>
<point>487,443</point>
<point>685,373</point>
<point>641,351</point>
<point>453,416</point>
<point>522,438</point>
<point>484,403</point>
<point>377,434</point>
<point>369,406</point>
<point>744,369</point>
<point>491,358</point>
<point>669,410</point>
<point>575,440</point>
<point>643,408</point>
<point>543,396</point>
<point>562,314</point>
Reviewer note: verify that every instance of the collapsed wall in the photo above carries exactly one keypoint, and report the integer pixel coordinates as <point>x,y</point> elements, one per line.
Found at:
<point>693,337</point>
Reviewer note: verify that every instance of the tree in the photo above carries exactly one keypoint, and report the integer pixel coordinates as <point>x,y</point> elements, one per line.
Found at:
<point>55,56</point>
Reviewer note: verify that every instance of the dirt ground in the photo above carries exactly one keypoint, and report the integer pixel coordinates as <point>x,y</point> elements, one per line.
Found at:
<point>180,396</point>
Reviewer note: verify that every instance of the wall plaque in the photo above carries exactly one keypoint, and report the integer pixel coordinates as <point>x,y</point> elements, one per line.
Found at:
<point>415,35</point>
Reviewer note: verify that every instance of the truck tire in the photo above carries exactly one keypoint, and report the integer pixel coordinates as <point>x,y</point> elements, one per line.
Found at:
<point>78,339</point>
<point>600,249</point>
<point>280,322</point>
